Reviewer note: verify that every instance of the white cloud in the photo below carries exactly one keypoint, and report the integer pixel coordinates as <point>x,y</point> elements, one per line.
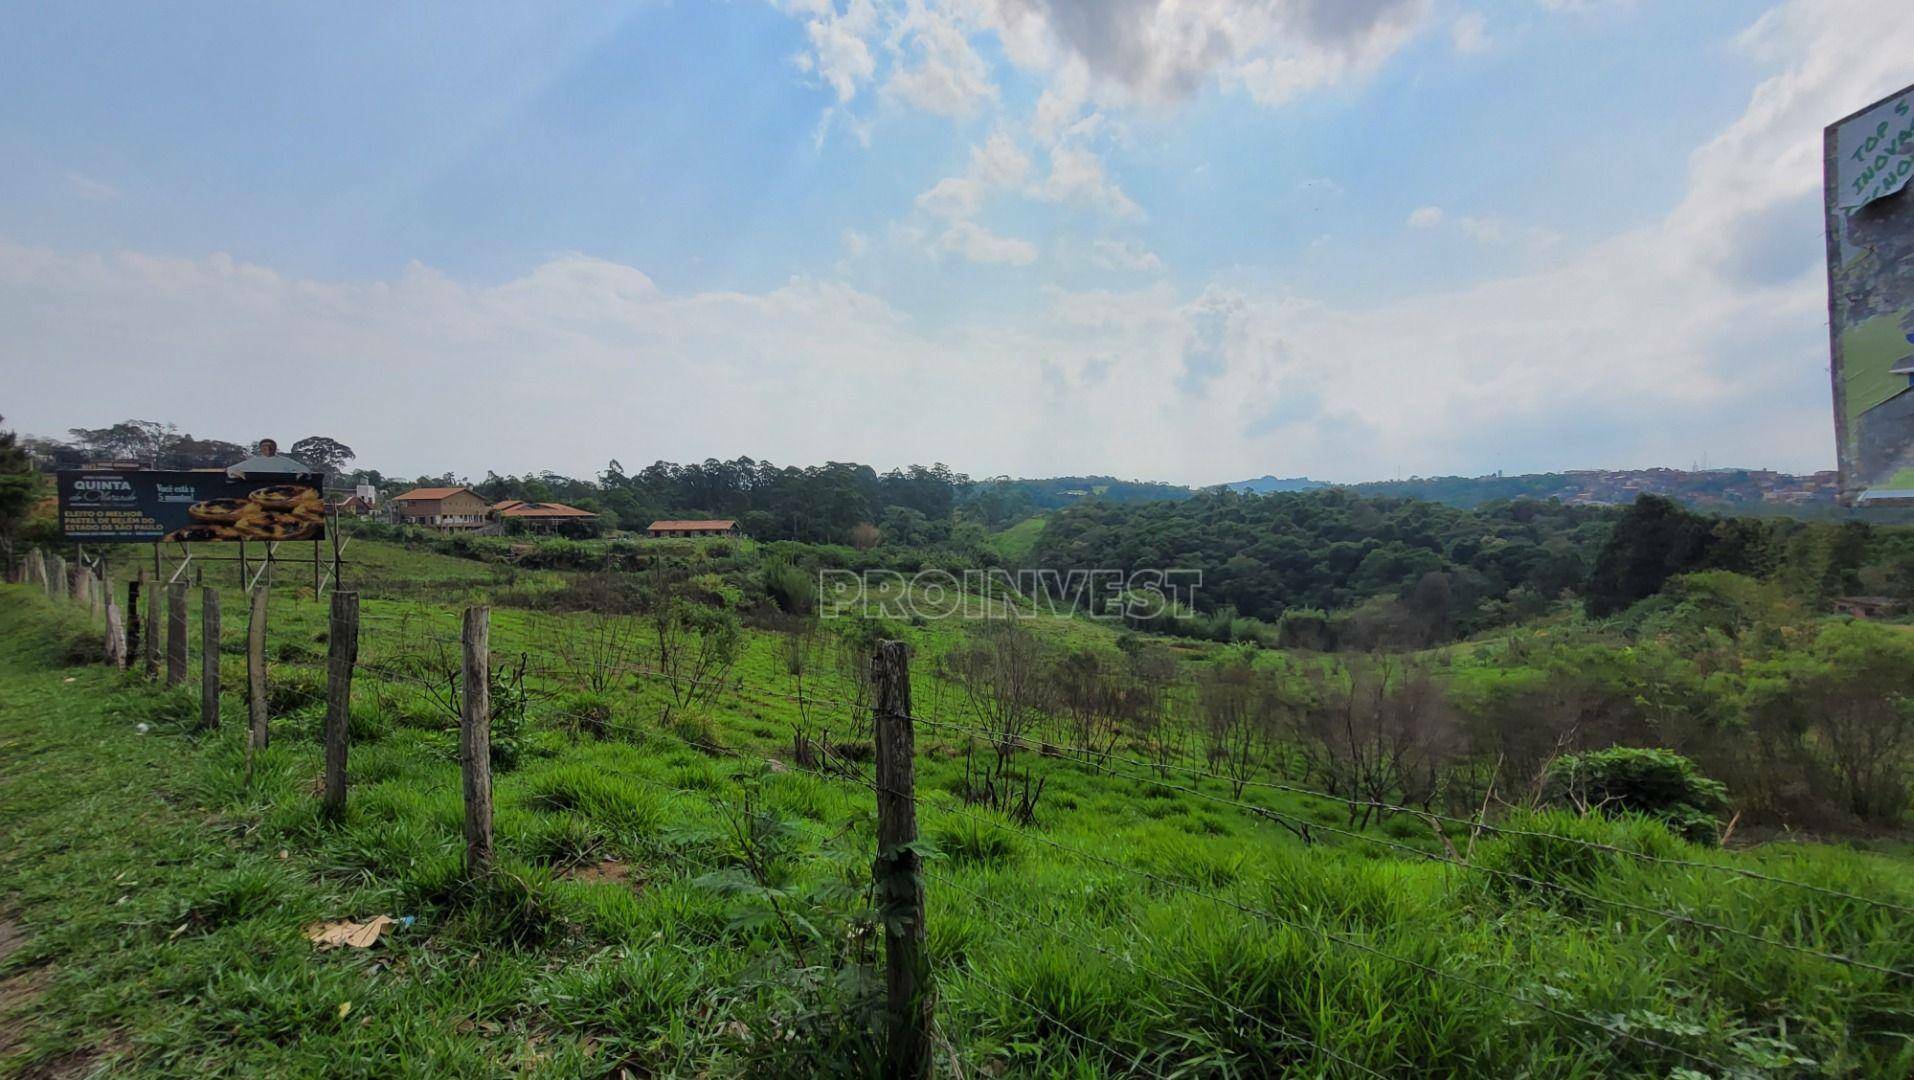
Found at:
<point>1077,177</point>
<point>1112,51</point>
<point>88,188</point>
<point>855,243</point>
<point>839,54</point>
<point>952,197</point>
<point>1144,51</point>
<point>1469,33</point>
<point>1584,6</point>
<point>1124,255</point>
<point>576,362</point>
<point>999,162</point>
<point>1368,34</point>
<point>948,78</point>
<point>980,245</point>
<point>1488,230</point>
<point>1492,231</point>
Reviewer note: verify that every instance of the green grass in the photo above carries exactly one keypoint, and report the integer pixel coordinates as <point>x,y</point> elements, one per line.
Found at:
<point>1017,542</point>
<point>1134,929</point>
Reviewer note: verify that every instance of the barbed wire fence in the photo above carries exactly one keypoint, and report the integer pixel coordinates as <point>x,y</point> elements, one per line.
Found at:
<point>414,647</point>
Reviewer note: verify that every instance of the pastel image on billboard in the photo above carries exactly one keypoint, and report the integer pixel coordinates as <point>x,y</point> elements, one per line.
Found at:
<point>1869,161</point>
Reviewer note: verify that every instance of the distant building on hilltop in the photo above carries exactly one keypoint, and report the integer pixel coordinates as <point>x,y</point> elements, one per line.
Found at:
<point>1868,607</point>
<point>713,527</point>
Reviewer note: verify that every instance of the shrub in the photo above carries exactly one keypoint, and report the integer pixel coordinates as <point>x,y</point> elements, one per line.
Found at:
<point>586,712</point>
<point>1559,848</point>
<point>790,587</point>
<point>1642,780</point>
<point>292,688</point>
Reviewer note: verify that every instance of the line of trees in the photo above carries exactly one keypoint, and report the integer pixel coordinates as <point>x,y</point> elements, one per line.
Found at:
<point>155,445</point>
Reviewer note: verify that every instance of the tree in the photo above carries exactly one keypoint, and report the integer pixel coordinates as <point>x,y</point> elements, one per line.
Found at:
<point>1655,540</point>
<point>143,441</point>
<point>1083,691</point>
<point>1846,705</point>
<point>1378,733</point>
<point>186,452</point>
<point>998,669</point>
<point>905,527</point>
<point>324,454</point>
<point>17,485</point>
<point>1238,711</point>
<point>694,647</point>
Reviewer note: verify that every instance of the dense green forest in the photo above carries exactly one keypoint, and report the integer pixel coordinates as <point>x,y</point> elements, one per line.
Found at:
<point>1333,569</point>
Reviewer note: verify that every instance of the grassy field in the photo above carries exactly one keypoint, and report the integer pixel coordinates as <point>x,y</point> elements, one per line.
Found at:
<point>680,898</point>
<point>1016,543</point>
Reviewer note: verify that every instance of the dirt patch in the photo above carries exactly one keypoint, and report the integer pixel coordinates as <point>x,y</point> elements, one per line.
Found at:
<point>12,938</point>
<point>608,872</point>
<point>82,1062</point>
<point>18,991</point>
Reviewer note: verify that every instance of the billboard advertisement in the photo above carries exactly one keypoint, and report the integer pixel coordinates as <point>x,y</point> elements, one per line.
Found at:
<point>1868,161</point>
<point>143,505</point>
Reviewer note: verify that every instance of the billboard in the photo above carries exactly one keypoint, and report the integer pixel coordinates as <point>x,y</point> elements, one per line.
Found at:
<point>141,505</point>
<point>1868,163</point>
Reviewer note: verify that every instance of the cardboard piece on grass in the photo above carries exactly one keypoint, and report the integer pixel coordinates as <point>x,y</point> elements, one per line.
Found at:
<point>331,935</point>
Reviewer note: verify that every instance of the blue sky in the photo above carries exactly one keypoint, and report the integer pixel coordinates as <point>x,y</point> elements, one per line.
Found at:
<point>1188,242</point>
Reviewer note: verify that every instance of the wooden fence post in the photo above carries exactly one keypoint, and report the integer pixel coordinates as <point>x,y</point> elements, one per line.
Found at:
<point>475,739</point>
<point>209,657</point>
<point>133,587</point>
<point>115,636</point>
<point>342,652</point>
<point>257,731</point>
<point>909,995</point>
<point>176,633</point>
<point>56,577</point>
<point>152,651</point>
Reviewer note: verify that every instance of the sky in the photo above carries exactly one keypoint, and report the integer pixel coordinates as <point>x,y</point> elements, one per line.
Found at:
<point>1181,240</point>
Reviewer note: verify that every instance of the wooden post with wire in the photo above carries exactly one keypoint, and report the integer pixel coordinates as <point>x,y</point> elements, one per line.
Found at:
<point>475,739</point>
<point>133,624</point>
<point>176,633</point>
<point>897,870</point>
<point>342,652</point>
<point>256,716</point>
<point>209,658</point>
<point>150,645</point>
<point>115,636</point>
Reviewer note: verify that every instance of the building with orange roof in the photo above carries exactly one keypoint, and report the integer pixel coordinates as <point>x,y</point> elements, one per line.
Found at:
<point>451,508</point>
<point>698,527</point>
